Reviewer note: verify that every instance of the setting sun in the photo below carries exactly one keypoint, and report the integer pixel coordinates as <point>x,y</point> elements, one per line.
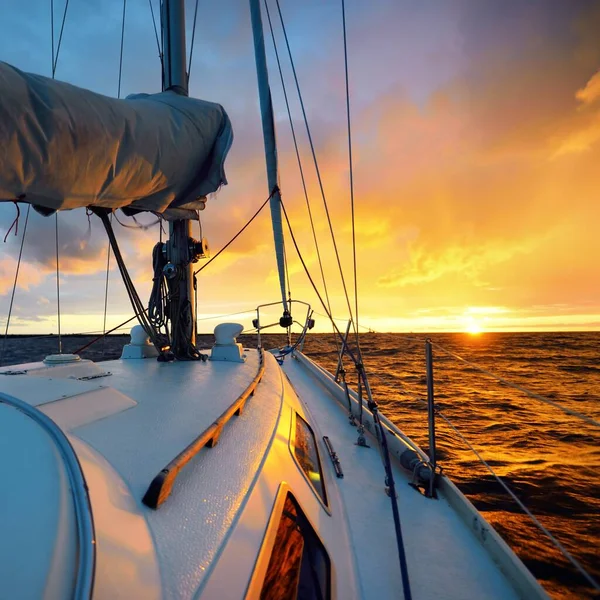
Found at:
<point>472,326</point>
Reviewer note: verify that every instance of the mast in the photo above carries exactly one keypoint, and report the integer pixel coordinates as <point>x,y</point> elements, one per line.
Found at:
<point>182,312</point>
<point>268,126</point>
<point>174,63</point>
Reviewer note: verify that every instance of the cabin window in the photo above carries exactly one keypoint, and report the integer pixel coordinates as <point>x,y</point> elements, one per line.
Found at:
<point>299,567</point>
<point>307,455</point>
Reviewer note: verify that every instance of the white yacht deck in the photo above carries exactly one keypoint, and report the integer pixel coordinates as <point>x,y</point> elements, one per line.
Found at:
<point>445,559</point>
<point>160,409</point>
<point>211,536</point>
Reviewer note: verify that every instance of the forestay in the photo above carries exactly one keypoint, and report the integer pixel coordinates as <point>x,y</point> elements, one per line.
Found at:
<point>63,147</point>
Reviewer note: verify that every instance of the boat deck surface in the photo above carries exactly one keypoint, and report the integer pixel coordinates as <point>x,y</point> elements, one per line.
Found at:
<point>445,559</point>
<point>155,410</point>
<point>137,415</point>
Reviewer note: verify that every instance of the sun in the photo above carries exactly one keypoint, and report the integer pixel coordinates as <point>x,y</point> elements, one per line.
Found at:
<point>472,326</point>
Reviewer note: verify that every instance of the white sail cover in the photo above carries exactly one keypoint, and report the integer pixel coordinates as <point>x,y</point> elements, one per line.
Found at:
<point>63,147</point>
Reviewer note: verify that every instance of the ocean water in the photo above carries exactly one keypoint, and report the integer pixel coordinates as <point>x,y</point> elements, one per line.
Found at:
<point>551,460</point>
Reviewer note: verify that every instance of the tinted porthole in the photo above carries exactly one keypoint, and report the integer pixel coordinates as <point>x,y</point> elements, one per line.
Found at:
<point>299,567</point>
<point>306,453</point>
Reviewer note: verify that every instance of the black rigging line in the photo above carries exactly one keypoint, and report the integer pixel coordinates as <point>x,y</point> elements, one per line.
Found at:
<point>12,296</point>
<point>275,190</point>
<point>158,339</point>
<point>287,105</point>
<point>351,174</point>
<point>313,284</point>
<point>158,43</point>
<point>103,335</point>
<point>314,155</point>
<point>381,432</point>
<point>62,27</point>
<point>121,53</point>
<point>57,283</point>
<point>106,292</point>
<point>192,43</point>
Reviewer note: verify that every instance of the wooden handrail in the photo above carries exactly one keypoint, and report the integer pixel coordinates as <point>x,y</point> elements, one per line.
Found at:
<point>162,484</point>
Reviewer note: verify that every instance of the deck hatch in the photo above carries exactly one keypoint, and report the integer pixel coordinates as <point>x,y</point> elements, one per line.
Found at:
<point>307,455</point>
<point>299,567</point>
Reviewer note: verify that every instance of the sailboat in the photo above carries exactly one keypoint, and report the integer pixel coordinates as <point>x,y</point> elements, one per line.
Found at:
<point>170,473</point>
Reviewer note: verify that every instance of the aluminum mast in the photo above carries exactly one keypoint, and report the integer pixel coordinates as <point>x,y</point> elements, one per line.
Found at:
<point>175,78</point>
<point>268,126</point>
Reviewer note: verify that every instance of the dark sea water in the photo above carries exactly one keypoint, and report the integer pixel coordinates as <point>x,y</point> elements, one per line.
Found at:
<point>551,460</point>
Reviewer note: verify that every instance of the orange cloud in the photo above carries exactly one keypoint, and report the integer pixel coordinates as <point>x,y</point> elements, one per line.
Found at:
<point>29,276</point>
<point>591,92</point>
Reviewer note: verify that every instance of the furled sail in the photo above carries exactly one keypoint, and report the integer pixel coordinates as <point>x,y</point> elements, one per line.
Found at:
<point>63,147</point>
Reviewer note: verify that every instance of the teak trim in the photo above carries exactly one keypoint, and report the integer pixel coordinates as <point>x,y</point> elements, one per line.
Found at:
<point>162,484</point>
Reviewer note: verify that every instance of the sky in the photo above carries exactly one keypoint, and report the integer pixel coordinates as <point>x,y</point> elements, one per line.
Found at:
<point>476,142</point>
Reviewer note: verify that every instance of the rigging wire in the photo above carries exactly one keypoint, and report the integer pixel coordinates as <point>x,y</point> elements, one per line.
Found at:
<point>192,43</point>
<point>158,44</point>
<point>316,163</point>
<point>506,488</point>
<point>589,420</point>
<point>159,340</point>
<point>403,390</point>
<point>54,64</point>
<point>121,53</point>
<point>343,320</point>
<point>522,506</point>
<point>62,27</point>
<point>380,431</point>
<point>135,316</point>
<point>57,282</point>
<point>103,335</point>
<point>314,286</point>
<point>275,190</point>
<point>106,290</point>
<point>351,173</point>
<point>12,296</point>
<point>303,179</point>
<point>111,215</point>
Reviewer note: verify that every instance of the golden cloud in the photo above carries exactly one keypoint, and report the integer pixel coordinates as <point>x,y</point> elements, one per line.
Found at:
<point>591,92</point>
